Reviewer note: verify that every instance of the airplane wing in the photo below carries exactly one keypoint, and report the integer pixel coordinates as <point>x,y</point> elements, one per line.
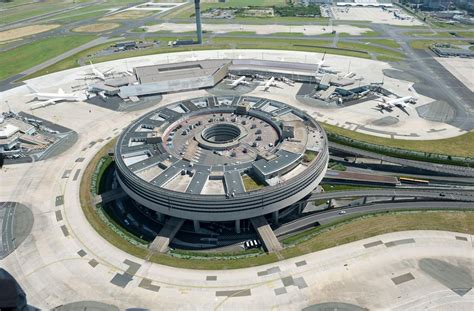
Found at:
<point>45,103</point>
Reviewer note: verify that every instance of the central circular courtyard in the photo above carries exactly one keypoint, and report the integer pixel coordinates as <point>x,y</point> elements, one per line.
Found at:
<point>221,133</point>
<point>221,158</point>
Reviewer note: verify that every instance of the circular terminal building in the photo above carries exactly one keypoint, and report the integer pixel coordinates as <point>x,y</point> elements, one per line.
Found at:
<point>221,158</point>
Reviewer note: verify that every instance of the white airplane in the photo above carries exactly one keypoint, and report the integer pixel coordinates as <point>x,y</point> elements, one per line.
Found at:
<point>51,98</point>
<point>96,73</point>
<point>239,81</point>
<point>390,103</point>
<point>321,68</point>
<point>269,83</point>
<point>287,81</point>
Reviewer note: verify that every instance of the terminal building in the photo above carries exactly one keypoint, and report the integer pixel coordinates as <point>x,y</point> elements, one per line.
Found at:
<point>221,159</point>
<point>192,75</point>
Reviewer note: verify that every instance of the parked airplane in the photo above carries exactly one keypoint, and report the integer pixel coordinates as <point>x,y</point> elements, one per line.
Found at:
<point>51,98</point>
<point>269,83</point>
<point>320,67</point>
<point>239,81</point>
<point>389,103</point>
<point>96,73</point>
<point>287,81</point>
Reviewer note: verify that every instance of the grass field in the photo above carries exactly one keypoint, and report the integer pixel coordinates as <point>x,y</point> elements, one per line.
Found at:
<point>331,187</point>
<point>96,27</point>
<point>371,48</point>
<point>428,34</point>
<point>15,33</point>
<point>386,42</point>
<point>67,63</point>
<point>29,10</point>
<point>462,145</point>
<point>424,44</point>
<point>367,226</point>
<point>26,56</point>
<point>465,34</point>
<point>93,11</point>
<point>126,15</point>
<point>250,183</point>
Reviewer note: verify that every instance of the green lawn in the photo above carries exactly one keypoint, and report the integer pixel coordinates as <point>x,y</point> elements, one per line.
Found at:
<point>26,56</point>
<point>424,44</point>
<point>331,187</point>
<point>93,11</point>
<point>386,42</point>
<point>465,34</point>
<point>370,48</point>
<point>309,156</point>
<point>67,63</point>
<point>428,34</point>
<point>462,145</point>
<point>357,228</point>
<point>30,10</point>
<point>251,184</point>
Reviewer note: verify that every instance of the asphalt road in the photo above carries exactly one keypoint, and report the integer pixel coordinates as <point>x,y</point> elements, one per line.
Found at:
<point>7,214</point>
<point>456,195</point>
<point>434,167</point>
<point>333,214</point>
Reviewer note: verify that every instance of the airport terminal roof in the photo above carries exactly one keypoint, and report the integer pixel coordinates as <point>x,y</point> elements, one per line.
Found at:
<point>175,138</point>
<point>166,72</point>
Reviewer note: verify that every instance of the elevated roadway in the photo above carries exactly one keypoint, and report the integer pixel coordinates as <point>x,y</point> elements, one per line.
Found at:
<point>454,195</point>
<point>333,214</point>
<point>433,167</point>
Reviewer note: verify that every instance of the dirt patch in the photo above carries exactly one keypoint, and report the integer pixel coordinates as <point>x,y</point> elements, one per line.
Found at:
<point>99,27</point>
<point>130,14</point>
<point>16,33</point>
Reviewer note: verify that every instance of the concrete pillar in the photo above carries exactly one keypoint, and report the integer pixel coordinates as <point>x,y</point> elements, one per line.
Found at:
<point>237,226</point>
<point>393,198</point>
<point>329,203</point>
<point>275,217</point>
<point>197,227</point>
<point>300,208</point>
<point>365,200</point>
<point>160,217</point>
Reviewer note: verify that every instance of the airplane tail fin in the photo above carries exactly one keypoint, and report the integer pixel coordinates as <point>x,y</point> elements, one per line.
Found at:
<point>60,91</point>
<point>415,93</point>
